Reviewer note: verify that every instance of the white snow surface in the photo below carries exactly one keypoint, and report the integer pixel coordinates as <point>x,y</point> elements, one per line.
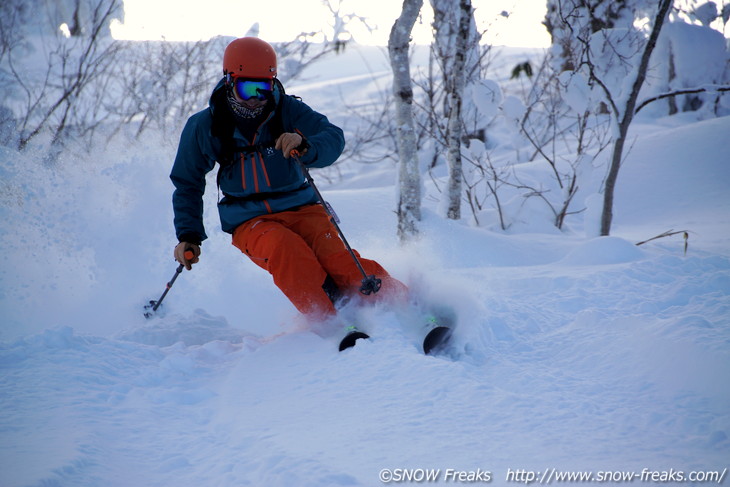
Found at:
<point>570,352</point>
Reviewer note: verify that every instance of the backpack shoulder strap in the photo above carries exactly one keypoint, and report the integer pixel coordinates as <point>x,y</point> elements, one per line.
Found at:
<point>222,127</point>
<point>276,124</point>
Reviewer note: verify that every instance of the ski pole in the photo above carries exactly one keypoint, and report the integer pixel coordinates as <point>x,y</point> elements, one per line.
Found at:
<point>153,305</point>
<point>370,283</point>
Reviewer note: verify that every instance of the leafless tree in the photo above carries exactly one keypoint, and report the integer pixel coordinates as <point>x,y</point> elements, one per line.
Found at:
<point>624,115</point>
<point>65,93</point>
<point>409,198</point>
<point>567,139</point>
<point>456,83</point>
<point>161,83</point>
<point>456,44</point>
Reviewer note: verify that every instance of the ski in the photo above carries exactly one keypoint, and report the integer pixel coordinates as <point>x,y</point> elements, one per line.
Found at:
<point>439,333</point>
<point>352,336</point>
<point>435,341</point>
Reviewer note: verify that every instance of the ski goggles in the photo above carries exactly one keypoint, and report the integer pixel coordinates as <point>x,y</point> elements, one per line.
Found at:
<point>253,88</point>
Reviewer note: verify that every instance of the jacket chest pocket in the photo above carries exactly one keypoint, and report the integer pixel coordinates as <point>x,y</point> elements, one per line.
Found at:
<point>278,171</point>
<point>258,172</point>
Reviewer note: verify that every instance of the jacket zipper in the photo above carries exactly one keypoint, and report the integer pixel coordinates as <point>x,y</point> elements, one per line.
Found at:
<point>254,170</point>
<point>243,171</point>
<point>255,173</point>
<point>263,168</point>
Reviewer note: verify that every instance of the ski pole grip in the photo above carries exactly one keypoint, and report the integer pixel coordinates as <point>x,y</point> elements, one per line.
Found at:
<point>189,254</point>
<point>298,151</point>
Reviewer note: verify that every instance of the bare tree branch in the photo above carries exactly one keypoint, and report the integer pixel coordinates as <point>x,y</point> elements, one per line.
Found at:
<point>718,89</point>
<point>627,117</point>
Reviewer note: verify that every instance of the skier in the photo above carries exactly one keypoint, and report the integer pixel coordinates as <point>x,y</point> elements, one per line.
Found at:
<point>251,128</point>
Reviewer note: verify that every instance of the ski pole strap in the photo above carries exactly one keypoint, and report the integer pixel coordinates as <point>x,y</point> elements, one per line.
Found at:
<point>304,145</point>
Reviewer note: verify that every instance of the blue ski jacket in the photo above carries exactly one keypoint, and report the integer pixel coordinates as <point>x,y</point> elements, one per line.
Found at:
<point>253,177</point>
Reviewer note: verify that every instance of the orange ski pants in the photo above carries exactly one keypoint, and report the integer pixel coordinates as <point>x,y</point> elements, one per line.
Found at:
<point>300,248</point>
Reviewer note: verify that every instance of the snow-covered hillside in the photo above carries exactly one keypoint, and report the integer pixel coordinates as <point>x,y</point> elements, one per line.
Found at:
<point>571,353</point>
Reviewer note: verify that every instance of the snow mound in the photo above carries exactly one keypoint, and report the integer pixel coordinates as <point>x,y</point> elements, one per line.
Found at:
<point>603,251</point>
<point>197,329</point>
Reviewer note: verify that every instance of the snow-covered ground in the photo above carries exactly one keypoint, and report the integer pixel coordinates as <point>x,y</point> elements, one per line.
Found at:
<point>571,353</point>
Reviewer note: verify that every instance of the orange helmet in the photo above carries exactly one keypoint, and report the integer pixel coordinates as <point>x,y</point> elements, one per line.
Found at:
<point>249,57</point>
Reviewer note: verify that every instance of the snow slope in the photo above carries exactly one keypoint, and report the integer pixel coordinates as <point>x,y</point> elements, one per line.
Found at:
<point>571,353</point>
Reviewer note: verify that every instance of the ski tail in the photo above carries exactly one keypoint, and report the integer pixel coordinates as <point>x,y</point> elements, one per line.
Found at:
<point>351,338</point>
<point>440,330</point>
